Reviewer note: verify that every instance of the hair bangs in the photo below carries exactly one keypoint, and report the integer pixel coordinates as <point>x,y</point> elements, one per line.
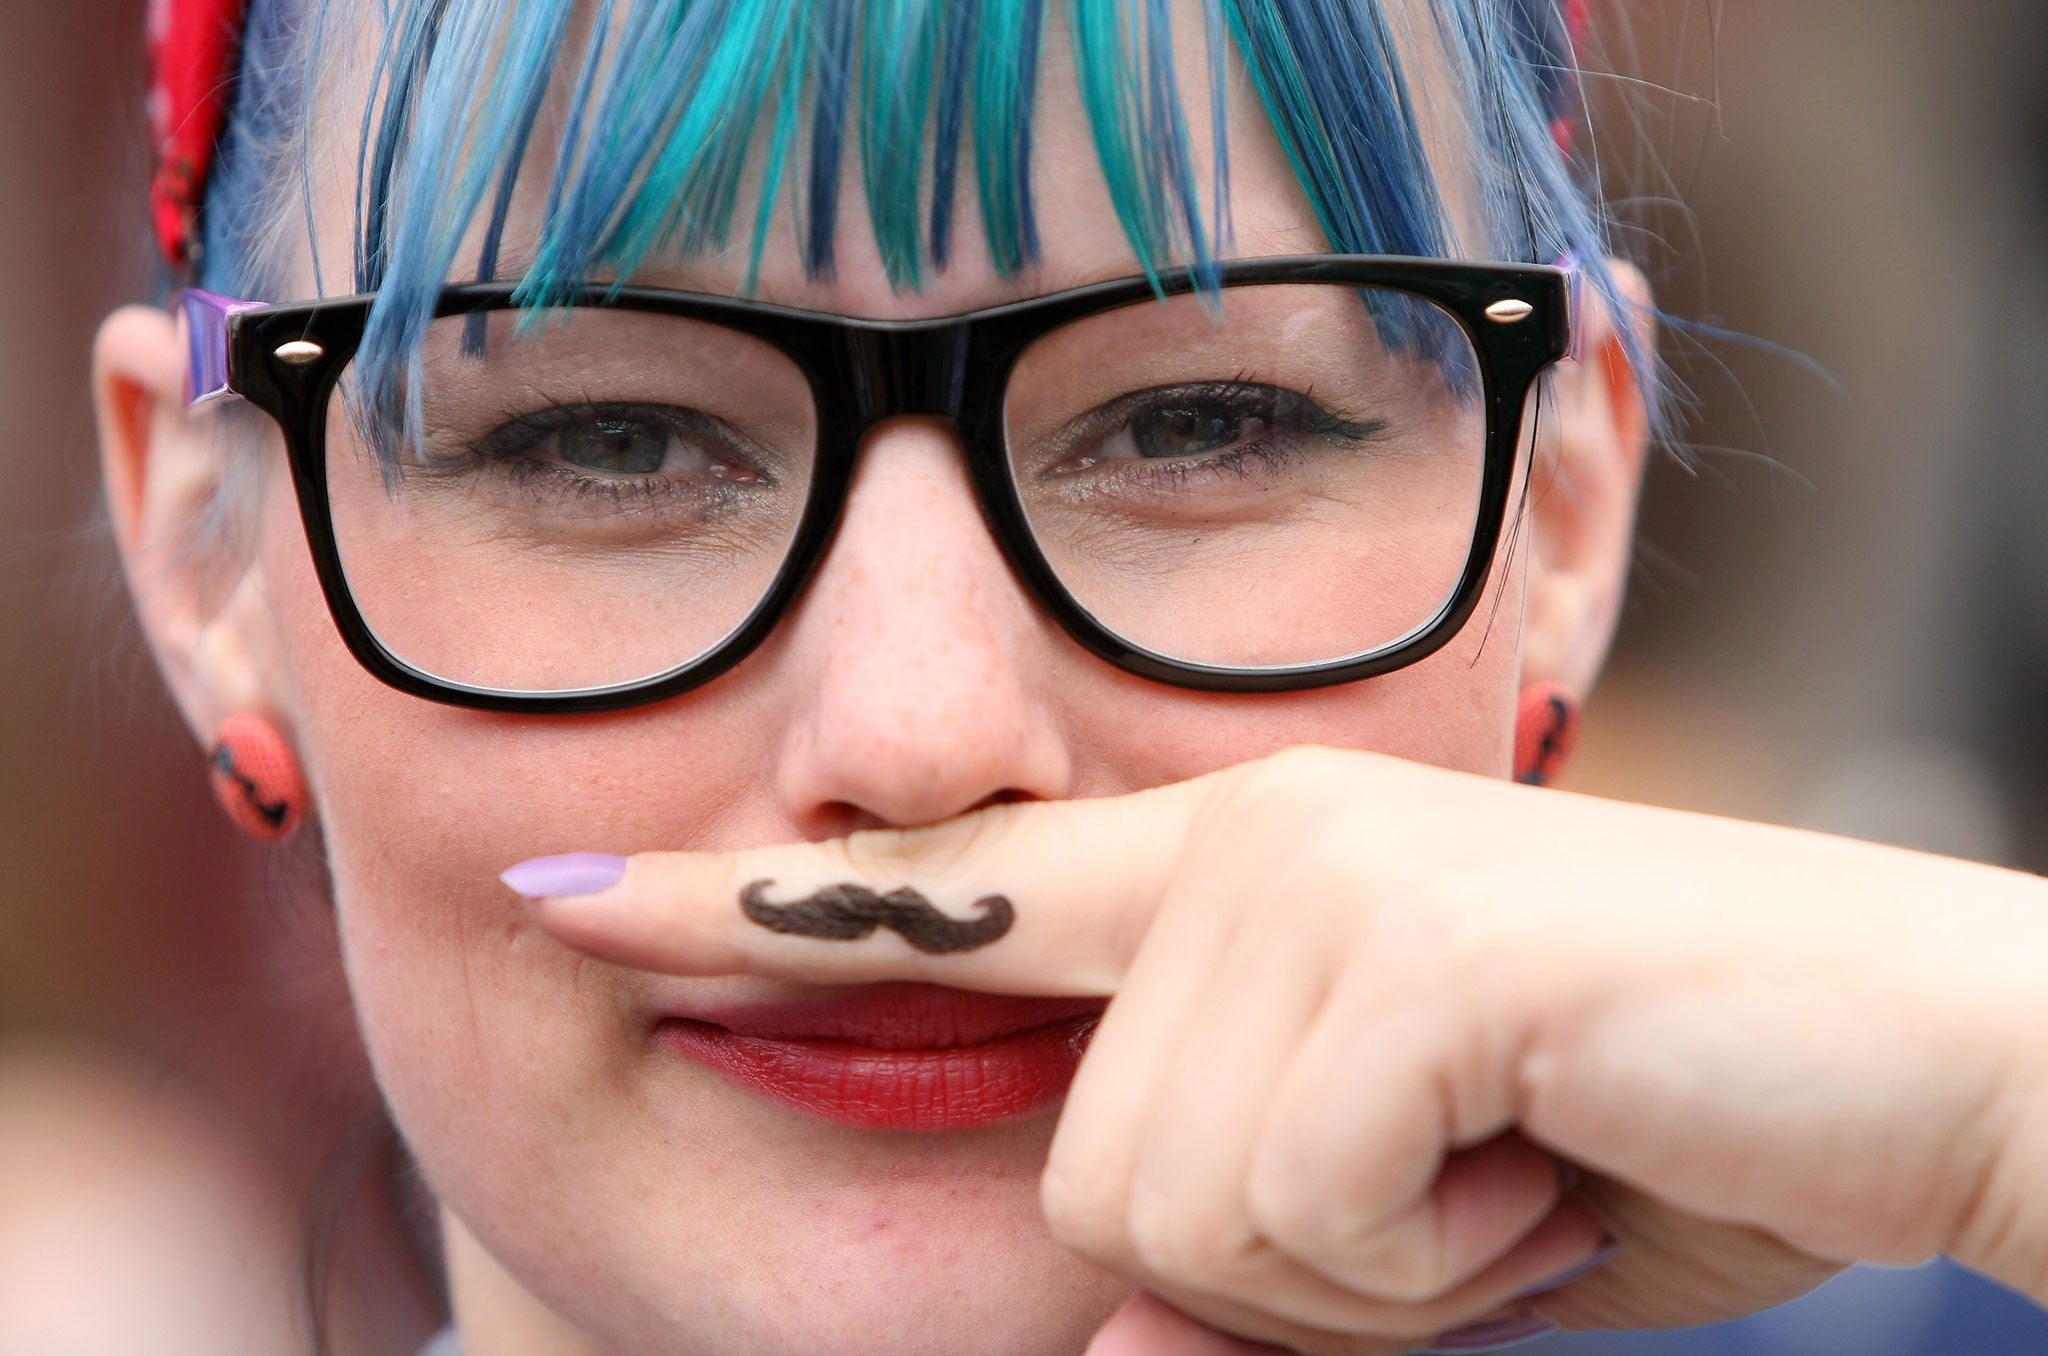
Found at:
<point>679,109</point>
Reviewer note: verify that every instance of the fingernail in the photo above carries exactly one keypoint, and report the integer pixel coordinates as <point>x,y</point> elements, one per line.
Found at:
<point>1493,1336</point>
<point>572,873</point>
<point>1577,1272</point>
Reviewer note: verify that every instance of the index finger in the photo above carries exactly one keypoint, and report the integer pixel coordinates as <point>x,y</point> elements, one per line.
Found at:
<point>1047,897</point>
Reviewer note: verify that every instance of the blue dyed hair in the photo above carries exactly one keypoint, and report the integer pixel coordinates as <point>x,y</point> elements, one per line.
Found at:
<point>684,122</point>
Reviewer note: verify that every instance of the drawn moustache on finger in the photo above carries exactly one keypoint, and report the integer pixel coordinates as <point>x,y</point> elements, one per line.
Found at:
<point>849,912</point>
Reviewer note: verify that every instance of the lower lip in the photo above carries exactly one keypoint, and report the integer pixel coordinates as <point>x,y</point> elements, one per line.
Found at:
<point>962,1087</point>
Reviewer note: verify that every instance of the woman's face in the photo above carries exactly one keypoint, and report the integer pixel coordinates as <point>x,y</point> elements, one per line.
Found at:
<point>584,1167</point>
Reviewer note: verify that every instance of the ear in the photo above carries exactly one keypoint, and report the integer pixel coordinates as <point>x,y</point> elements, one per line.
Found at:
<point>1584,483</point>
<point>190,570</point>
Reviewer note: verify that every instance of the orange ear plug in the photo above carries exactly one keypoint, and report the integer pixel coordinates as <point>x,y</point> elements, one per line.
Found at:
<point>257,780</point>
<point>1546,732</point>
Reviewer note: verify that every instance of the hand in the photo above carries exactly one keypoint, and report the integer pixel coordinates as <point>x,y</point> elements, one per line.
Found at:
<point>1359,1004</point>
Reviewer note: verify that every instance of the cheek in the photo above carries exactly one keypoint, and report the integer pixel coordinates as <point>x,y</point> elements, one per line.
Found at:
<point>1455,709</point>
<point>422,805</point>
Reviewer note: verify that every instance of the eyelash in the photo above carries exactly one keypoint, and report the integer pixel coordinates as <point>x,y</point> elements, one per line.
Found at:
<point>546,480</point>
<point>627,493</point>
<point>1277,406</point>
<point>508,447</point>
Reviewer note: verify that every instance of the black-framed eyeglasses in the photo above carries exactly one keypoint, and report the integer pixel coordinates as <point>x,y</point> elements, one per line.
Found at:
<point>1290,476</point>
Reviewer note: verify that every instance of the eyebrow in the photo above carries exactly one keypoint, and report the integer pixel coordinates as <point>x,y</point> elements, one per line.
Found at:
<point>1043,278</point>
<point>819,295</point>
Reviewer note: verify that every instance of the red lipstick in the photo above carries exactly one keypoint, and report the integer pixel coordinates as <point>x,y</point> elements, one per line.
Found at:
<point>896,1056</point>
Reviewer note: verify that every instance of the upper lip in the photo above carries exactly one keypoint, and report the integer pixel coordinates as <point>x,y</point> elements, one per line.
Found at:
<point>894,1016</point>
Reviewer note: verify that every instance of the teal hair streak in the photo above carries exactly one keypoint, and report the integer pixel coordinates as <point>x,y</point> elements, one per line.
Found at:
<point>431,67</point>
<point>689,81</point>
<point>706,150</point>
<point>788,98</point>
<point>951,113</point>
<point>1123,54</point>
<point>1006,48</point>
<point>1353,143</point>
<point>899,45</point>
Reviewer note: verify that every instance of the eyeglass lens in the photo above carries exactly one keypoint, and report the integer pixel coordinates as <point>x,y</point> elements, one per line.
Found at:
<point>553,501</point>
<point>1291,480</point>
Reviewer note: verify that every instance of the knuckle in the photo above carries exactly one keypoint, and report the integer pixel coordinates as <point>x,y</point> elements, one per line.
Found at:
<point>1283,1208</point>
<point>1083,1213</point>
<point>1402,1276</point>
<point>1174,1241</point>
<point>1398,1267</point>
<point>1335,850</point>
<point>1313,763</point>
<point>1319,775</point>
<point>1315,801</point>
<point>1309,1226</point>
<point>1168,1249</point>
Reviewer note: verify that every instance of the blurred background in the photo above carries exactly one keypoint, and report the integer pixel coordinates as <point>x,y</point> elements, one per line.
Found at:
<point>1839,618</point>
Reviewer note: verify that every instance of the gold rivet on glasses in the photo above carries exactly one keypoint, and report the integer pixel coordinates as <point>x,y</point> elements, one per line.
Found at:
<point>299,352</point>
<point>1513,311</point>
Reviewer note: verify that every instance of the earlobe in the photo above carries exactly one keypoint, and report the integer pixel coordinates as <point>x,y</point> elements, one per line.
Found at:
<point>163,485</point>
<point>1582,495</point>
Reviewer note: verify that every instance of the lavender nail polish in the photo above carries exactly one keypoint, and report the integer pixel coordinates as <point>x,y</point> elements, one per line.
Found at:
<point>1492,1336</point>
<point>1578,1271</point>
<point>573,873</point>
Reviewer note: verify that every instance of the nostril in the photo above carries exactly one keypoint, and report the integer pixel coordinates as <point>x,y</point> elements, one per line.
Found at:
<point>838,818</point>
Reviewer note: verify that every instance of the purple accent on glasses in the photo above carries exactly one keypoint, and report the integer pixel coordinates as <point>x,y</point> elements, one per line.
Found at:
<point>206,334</point>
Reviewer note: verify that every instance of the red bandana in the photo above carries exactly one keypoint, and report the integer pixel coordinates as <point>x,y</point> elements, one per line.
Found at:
<point>193,47</point>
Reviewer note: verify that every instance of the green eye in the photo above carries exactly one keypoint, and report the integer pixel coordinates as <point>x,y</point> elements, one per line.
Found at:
<point>620,446</point>
<point>1186,432</point>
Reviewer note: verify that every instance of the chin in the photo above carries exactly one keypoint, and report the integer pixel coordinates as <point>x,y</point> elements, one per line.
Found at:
<point>746,1229</point>
<point>866,1279</point>
<point>996,1304</point>
<point>905,1245</point>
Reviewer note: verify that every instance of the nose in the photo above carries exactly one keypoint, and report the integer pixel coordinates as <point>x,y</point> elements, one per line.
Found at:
<point>923,675</point>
